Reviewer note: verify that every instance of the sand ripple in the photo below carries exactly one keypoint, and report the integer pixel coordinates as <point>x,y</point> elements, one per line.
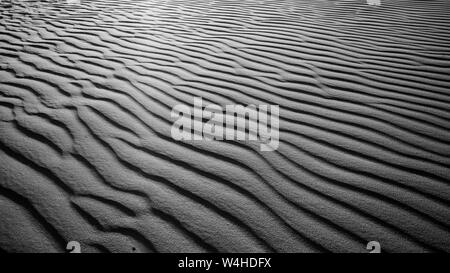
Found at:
<point>86,153</point>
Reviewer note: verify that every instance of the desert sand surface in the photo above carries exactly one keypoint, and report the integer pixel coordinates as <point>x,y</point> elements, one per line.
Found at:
<point>86,152</point>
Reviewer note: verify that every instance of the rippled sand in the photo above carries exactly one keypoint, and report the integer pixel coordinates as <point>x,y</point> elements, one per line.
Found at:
<point>86,152</point>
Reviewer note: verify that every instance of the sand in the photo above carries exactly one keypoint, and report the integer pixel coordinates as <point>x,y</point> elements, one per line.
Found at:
<point>86,152</point>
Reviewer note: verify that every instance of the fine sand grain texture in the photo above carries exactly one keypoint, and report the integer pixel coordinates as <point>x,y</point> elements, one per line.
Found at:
<point>86,152</point>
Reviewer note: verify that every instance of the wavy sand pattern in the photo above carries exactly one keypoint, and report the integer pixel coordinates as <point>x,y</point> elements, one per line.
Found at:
<point>86,152</point>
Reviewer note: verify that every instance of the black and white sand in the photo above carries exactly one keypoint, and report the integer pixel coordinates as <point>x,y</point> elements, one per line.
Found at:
<point>86,152</point>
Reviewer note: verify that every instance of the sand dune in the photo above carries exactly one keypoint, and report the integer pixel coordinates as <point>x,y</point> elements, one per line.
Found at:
<point>86,151</point>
